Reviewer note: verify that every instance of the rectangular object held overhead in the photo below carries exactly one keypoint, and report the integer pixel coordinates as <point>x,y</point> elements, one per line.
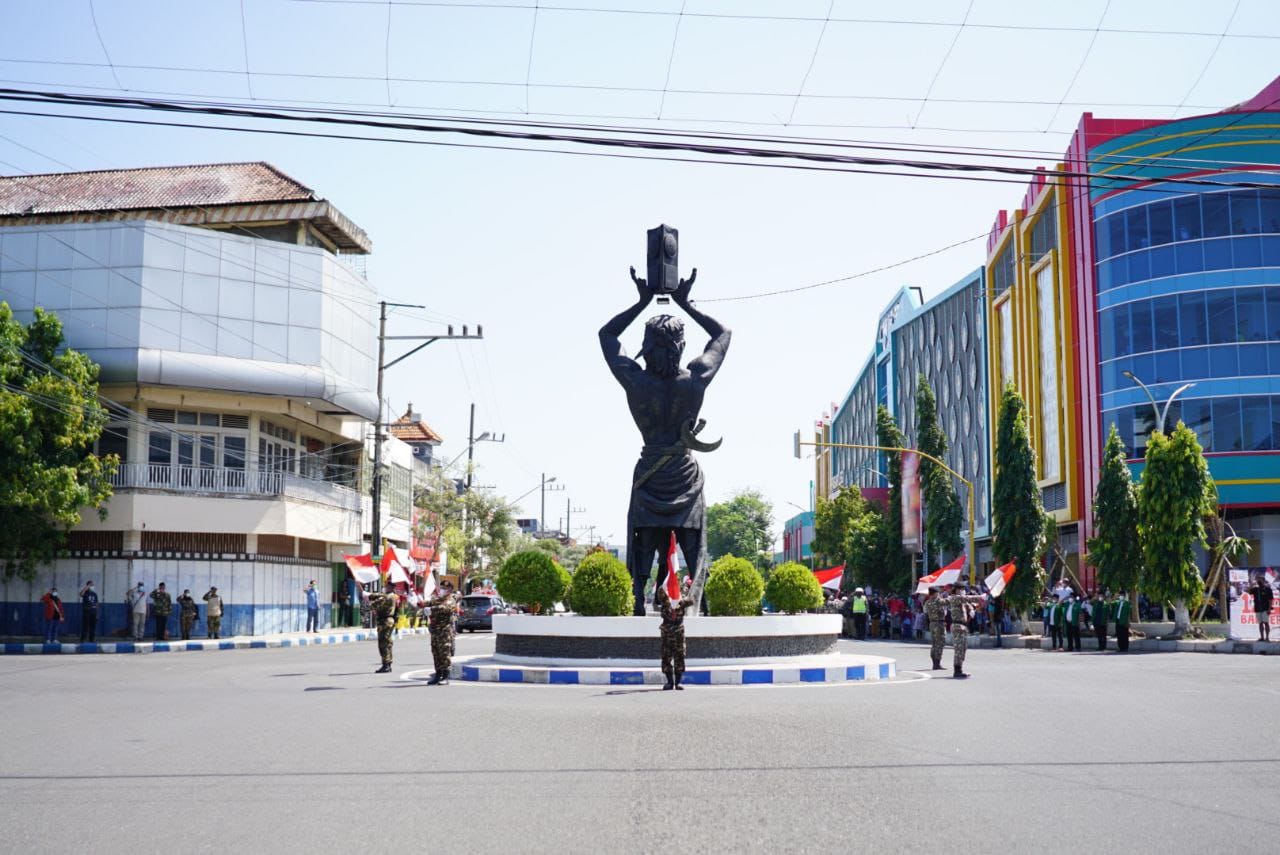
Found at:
<point>664,259</point>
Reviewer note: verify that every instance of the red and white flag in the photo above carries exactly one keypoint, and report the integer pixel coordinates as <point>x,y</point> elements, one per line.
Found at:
<point>999,578</point>
<point>948,575</point>
<point>830,577</point>
<point>361,568</point>
<point>672,582</point>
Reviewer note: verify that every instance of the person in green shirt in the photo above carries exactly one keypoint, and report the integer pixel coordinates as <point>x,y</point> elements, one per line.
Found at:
<point>1120,610</point>
<point>161,608</point>
<point>1098,614</point>
<point>1057,623</point>
<point>1071,621</point>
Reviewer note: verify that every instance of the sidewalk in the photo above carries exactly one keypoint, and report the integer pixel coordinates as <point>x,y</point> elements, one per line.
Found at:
<point>246,642</point>
<point>1089,643</point>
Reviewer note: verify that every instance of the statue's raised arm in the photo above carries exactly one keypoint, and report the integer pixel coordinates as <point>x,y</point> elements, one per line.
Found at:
<point>620,364</point>
<point>704,368</point>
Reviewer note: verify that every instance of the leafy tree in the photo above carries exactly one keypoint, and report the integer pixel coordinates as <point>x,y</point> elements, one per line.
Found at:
<point>741,526</point>
<point>734,587</point>
<point>793,588</point>
<point>533,578</point>
<point>943,517</point>
<point>1115,549</point>
<point>865,560</point>
<point>831,523</point>
<point>571,556</point>
<point>49,420</point>
<point>549,545</point>
<point>477,527</point>
<point>1173,498</point>
<point>897,563</point>
<point>1017,511</point>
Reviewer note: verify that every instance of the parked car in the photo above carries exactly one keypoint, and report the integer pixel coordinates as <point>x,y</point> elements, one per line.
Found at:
<point>476,611</point>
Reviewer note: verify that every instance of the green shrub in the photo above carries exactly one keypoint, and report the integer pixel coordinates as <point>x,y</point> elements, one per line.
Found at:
<point>601,587</point>
<point>734,587</point>
<point>793,588</point>
<point>532,578</point>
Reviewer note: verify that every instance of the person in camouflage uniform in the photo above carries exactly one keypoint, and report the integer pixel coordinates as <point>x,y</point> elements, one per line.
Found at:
<point>161,608</point>
<point>672,637</point>
<point>935,611</point>
<point>962,605</point>
<point>440,624</point>
<point>187,615</point>
<point>384,607</point>
<point>213,612</point>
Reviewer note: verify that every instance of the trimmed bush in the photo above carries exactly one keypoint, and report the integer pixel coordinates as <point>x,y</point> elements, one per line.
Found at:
<point>733,587</point>
<point>793,588</point>
<point>601,587</point>
<point>532,578</point>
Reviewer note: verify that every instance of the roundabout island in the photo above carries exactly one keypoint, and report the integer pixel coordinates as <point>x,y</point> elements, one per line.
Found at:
<point>757,650</point>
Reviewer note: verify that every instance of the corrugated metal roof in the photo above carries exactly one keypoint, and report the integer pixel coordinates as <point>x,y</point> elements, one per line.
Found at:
<point>151,187</point>
<point>195,194</point>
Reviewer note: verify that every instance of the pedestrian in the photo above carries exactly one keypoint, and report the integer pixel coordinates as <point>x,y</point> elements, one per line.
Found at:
<point>672,631</point>
<point>908,622</point>
<point>859,610</point>
<point>136,599</point>
<point>1057,623</point>
<point>934,609</point>
<point>384,607</point>
<point>313,607</point>
<point>1120,610</point>
<point>213,612</point>
<point>1071,622</point>
<point>344,603</point>
<point>962,605</point>
<point>88,613</point>
<point>161,608</point>
<point>1262,597</point>
<point>54,614</point>
<point>1099,615</point>
<point>440,625</point>
<point>187,613</point>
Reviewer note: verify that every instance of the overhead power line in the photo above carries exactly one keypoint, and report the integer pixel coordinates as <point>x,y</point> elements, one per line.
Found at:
<point>604,139</point>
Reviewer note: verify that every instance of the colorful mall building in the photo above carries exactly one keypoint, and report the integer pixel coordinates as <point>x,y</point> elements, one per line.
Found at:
<point>1151,253</point>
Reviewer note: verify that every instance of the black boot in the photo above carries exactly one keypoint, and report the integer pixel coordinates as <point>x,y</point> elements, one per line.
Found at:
<point>937,665</point>
<point>959,674</point>
<point>442,677</point>
<point>385,669</point>
<point>434,681</point>
<point>679,687</point>
<point>669,686</point>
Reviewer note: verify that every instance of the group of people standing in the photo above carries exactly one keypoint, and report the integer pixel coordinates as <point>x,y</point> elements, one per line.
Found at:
<point>1066,615</point>
<point>138,603</point>
<point>441,610</point>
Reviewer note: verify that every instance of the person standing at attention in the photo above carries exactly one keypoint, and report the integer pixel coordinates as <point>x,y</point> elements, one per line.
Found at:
<point>88,613</point>
<point>313,607</point>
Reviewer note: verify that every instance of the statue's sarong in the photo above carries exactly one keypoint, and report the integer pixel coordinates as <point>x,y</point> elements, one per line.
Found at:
<point>666,489</point>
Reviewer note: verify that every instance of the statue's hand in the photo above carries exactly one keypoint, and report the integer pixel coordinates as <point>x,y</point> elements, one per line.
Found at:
<point>642,288</point>
<point>681,296</point>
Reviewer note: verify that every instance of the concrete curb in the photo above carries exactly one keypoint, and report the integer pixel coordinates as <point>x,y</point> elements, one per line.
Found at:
<point>202,646</point>
<point>486,671</point>
<point>1137,645</point>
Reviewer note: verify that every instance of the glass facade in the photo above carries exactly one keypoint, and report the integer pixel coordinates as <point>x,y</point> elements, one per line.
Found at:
<point>1189,291</point>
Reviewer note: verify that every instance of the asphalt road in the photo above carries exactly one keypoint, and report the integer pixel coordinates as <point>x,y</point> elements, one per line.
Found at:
<point>306,750</point>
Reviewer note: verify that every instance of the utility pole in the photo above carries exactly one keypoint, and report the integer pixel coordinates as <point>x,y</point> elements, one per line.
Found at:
<point>568,517</point>
<point>542,518</point>
<point>375,529</point>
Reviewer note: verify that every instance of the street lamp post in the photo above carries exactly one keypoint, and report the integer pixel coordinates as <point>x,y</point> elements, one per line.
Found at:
<point>542,518</point>
<point>1159,412</point>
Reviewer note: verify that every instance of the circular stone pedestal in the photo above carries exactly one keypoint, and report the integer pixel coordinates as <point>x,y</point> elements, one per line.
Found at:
<point>766,649</point>
<point>576,640</point>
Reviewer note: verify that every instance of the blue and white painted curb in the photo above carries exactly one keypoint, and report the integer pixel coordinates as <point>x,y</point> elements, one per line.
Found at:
<point>840,669</point>
<point>197,646</point>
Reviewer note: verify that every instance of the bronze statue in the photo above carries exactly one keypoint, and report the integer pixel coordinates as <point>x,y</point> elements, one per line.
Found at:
<point>666,489</point>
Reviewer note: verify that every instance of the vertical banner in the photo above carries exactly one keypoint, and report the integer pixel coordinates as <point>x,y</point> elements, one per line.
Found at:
<point>1244,621</point>
<point>910,502</point>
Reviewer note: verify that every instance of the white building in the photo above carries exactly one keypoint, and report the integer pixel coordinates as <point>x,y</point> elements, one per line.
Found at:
<point>237,337</point>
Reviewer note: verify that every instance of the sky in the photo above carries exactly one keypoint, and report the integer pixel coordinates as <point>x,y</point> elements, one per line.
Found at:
<point>535,246</point>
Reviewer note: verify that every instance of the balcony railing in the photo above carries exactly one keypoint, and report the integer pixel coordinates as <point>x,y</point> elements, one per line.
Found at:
<point>241,482</point>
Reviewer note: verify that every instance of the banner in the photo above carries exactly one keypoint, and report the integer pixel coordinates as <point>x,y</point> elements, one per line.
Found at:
<point>910,502</point>
<point>1244,622</point>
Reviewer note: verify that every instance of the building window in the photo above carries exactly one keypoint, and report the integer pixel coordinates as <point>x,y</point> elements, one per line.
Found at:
<point>1004,317</point>
<point>1002,275</point>
<point>1044,234</point>
<point>1050,422</point>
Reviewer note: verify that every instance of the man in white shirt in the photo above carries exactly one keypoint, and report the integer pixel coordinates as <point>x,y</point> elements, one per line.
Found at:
<point>137,600</point>
<point>1062,591</point>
